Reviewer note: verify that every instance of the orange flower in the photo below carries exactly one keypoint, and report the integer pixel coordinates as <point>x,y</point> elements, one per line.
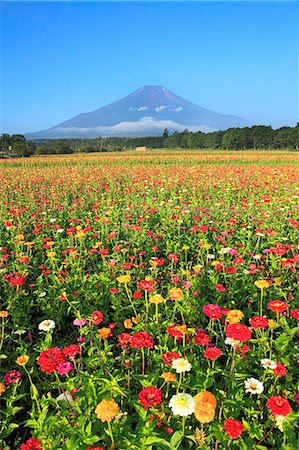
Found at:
<point>168,376</point>
<point>175,293</point>
<point>106,410</point>
<point>128,324</point>
<point>104,332</point>
<point>2,389</point>
<point>4,314</point>
<point>234,316</point>
<point>22,360</point>
<point>205,406</point>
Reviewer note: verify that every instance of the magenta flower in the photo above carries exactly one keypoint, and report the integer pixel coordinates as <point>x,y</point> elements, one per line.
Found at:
<point>65,368</point>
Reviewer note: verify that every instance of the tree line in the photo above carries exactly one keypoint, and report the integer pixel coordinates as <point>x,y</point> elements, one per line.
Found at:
<point>256,137</point>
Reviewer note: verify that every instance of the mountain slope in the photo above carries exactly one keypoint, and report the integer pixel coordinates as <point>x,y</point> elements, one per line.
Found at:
<point>147,111</point>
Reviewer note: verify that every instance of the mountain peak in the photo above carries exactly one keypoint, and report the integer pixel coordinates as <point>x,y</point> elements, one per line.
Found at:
<point>145,112</point>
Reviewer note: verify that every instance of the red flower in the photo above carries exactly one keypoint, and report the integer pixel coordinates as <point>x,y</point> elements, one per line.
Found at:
<point>202,339</point>
<point>295,314</point>
<point>94,448</point>
<point>280,370</point>
<point>279,406</point>
<point>238,332</point>
<point>31,444</point>
<point>277,306</point>
<point>212,311</point>
<point>220,288</point>
<point>142,339</point>
<point>71,351</point>
<point>258,322</point>
<point>168,357</point>
<point>212,353</point>
<point>50,359</point>
<point>174,331</point>
<point>150,396</point>
<point>137,295</point>
<point>97,317</point>
<point>233,428</point>
<point>124,339</point>
<point>17,280</point>
<point>146,285</point>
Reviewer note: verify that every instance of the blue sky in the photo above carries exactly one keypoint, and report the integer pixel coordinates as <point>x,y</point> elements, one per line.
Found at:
<point>59,59</point>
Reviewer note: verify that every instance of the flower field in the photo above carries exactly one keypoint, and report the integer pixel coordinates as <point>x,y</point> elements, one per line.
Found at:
<point>149,301</point>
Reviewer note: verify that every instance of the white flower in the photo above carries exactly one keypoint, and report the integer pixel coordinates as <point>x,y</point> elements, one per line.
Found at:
<point>224,250</point>
<point>210,256</point>
<point>231,341</point>
<point>279,420</point>
<point>253,386</point>
<point>268,363</point>
<point>46,325</point>
<point>181,365</point>
<point>52,220</point>
<point>60,230</point>
<point>182,404</point>
<point>65,398</point>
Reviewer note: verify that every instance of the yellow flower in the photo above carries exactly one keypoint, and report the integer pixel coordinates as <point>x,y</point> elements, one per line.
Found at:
<point>4,314</point>
<point>2,389</point>
<point>80,234</point>
<point>51,254</point>
<point>262,284</point>
<point>136,319</point>
<point>207,246</point>
<point>197,268</point>
<point>185,247</point>
<point>200,437</point>
<point>205,406</point>
<point>234,316</point>
<point>175,293</point>
<point>106,410</point>
<point>272,323</point>
<point>168,376</point>
<point>156,299</point>
<point>124,279</point>
<point>20,237</point>
<point>22,360</point>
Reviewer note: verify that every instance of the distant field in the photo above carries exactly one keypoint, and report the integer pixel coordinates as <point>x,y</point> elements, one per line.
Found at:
<point>162,157</point>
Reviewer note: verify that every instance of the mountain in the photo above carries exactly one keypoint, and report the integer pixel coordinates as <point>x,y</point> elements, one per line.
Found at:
<point>145,112</point>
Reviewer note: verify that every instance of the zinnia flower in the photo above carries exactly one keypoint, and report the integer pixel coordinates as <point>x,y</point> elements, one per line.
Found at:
<point>181,365</point>
<point>175,293</point>
<point>156,299</point>
<point>124,279</point>
<point>22,360</point>
<point>169,377</point>
<point>142,339</point>
<point>279,406</point>
<point>258,322</point>
<point>205,406</point>
<point>233,428</point>
<point>46,325</point>
<point>262,284</point>
<point>71,351</point>
<point>280,370</point>
<point>253,386</point>
<point>268,363</point>
<point>97,317</point>
<point>50,359</point>
<point>212,353</point>
<point>212,311</point>
<point>234,316</point>
<point>238,332</point>
<point>277,306</point>
<point>106,410</point>
<point>168,357</point>
<point>65,368</point>
<point>295,314</point>
<point>150,396</point>
<point>31,444</point>
<point>182,404</point>
<point>12,377</point>
<point>2,388</point>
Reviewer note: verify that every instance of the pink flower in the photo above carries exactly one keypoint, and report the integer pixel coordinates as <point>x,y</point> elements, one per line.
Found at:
<point>65,368</point>
<point>79,323</point>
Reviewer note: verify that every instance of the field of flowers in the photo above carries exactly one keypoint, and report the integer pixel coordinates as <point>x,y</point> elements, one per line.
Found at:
<point>149,302</point>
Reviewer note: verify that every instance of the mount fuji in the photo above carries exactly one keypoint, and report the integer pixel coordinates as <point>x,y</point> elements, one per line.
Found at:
<point>145,112</point>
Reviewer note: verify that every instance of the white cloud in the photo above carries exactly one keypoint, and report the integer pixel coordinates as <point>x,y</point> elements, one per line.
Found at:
<point>142,108</point>
<point>161,108</point>
<point>144,125</point>
<point>178,109</point>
